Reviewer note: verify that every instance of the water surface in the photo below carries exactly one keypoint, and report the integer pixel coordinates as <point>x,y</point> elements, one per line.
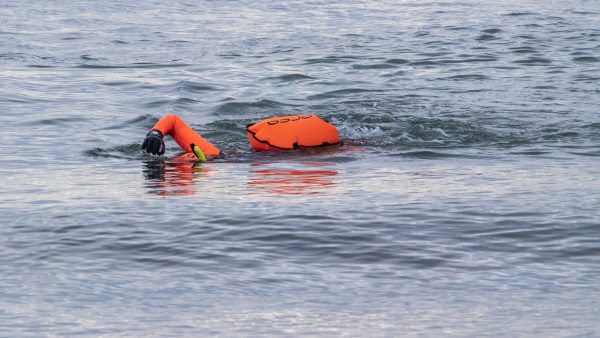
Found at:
<point>463,203</point>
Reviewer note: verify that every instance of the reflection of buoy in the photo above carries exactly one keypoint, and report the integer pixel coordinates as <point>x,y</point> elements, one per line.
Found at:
<point>291,132</point>
<point>297,179</point>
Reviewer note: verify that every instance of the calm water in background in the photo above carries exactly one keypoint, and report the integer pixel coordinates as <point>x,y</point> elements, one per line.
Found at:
<point>464,203</point>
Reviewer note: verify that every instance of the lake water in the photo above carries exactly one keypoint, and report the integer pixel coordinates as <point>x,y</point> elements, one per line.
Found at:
<point>465,201</point>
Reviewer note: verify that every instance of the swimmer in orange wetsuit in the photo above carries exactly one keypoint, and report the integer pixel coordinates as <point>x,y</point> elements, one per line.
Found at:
<point>272,134</point>
<point>185,137</point>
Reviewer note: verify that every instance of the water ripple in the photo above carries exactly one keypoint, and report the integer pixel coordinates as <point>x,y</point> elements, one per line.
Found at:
<point>133,65</point>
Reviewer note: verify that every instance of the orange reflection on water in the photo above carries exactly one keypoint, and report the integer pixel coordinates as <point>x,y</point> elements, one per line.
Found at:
<point>311,179</point>
<point>174,178</point>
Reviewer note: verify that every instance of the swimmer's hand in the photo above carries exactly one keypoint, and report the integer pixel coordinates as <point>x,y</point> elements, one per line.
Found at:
<point>153,143</point>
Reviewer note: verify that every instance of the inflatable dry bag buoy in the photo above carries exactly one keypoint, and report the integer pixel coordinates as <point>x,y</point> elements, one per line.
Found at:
<point>291,132</point>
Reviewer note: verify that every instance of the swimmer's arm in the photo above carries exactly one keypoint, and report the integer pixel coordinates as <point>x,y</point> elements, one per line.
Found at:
<point>185,136</point>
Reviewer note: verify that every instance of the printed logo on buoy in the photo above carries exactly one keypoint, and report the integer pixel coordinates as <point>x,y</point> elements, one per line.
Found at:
<point>287,119</point>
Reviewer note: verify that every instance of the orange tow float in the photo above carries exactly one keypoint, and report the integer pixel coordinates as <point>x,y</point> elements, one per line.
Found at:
<point>291,132</point>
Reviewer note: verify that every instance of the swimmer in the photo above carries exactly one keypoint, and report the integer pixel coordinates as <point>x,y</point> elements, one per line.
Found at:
<point>272,134</point>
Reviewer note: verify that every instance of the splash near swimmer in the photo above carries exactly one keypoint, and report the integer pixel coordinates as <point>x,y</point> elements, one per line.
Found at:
<point>272,134</point>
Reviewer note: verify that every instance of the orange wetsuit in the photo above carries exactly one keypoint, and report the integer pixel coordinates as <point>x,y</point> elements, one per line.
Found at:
<point>184,135</point>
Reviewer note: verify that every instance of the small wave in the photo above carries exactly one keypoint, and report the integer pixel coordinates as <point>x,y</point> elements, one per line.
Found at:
<point>458,28</point>
<point>23,98</point>
<point>424,63</point>
<point>586,77</point>
<point>586,59</point>
<point>595,125</point>
<point>181,102</point>
<point>565,134</point>
<point>561,135</point>
<point>230,55</point>
<point>430,155</point>
<point>146,121</point>
<point>59,121</point>
<point>435,54</point>
<point>486,37</point>
<point>397,61</point>
<point>12,56</point>
<point>533,38</point>
<point>72,37</point>
<point>133,65</point>
<point>531,25</point>
<point>394,74</point>
<point>290,77</point>
<point>533,61</point>
<point>88,58</point>
<point>467,77</point>
<point>519,14</point>
<point>193,87</point>
<point>142,119</point>
<point>184,102</point>
<point>233,108</point>
<point>331,59</point>
<point>464,91</point>
<point>533,152</point>
<point>592,153</point>
<point>157,103</point>
<point>230,136</point>
<point>506,229</point>
<point>129,151</point>
<point>584,12</point>
<point>374,66</point>
<point>544,87</point>
<point>341,93</point>
<point>118,83</point>
<point>467,59</point>
<point>492,30</point>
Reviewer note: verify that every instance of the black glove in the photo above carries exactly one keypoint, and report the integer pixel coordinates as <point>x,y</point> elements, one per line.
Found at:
<point>153,143</point>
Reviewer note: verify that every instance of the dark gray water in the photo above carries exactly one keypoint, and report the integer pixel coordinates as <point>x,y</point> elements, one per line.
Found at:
<point>465,201</point>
